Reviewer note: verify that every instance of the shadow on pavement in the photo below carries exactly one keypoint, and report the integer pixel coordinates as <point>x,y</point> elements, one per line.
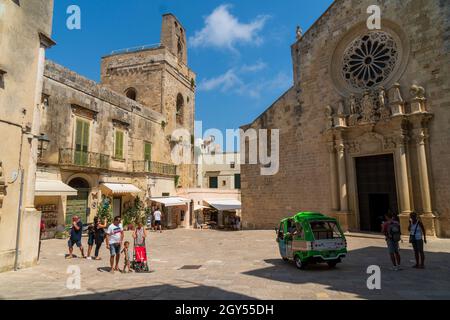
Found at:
<point>162,292</point>
<point>351,275</point>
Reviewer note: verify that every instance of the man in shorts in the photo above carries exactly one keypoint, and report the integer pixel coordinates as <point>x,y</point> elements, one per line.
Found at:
<point>157,215</point>
<point>114,239</point>
<point>75,237</point>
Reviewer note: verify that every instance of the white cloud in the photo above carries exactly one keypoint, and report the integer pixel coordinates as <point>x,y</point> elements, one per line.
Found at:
<point>223,30</point>
<point>258,66</point>
<point>223,82</point>
<point>254,89</point>
<point>233,81</point>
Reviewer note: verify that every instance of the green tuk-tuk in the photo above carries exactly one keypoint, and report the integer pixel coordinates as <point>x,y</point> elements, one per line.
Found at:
<point>310,237</point>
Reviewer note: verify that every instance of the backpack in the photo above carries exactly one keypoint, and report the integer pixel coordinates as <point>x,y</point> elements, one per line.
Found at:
<point>394,232</point>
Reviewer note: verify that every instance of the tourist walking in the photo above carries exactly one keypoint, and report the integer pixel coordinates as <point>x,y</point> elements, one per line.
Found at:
<point>91,240</point>
<point>391,230</point>
<point>114,239</point>
<point>417,237</point>
<point>149,221</point>
<point>158,215</point>
<point>99,235</point>
<point>139,235</point>
<point>76,231</point>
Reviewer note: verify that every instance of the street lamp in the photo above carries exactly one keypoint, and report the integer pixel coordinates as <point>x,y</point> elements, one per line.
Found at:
<point>43,144</point>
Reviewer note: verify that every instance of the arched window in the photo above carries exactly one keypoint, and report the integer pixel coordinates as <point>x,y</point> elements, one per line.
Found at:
<point>131,93</point>
<point>180,106</point>
<point>180,49</point>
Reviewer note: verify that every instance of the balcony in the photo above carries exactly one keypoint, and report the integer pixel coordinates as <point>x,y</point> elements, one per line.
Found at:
<point>86,159</point>
<point>154,167</point>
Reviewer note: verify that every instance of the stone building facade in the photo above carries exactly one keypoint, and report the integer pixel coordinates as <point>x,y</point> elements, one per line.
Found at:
<point>114,139</point>
<point>365,127</point>
<point>25,28</point>
<point>159,78</point>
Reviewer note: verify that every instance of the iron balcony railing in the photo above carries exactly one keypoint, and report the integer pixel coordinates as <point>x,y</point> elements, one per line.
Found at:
<point>154,167</point>
<point>83,158</point>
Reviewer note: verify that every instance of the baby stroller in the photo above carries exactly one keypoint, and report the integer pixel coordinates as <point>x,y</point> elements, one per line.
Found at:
<point>139,263</point>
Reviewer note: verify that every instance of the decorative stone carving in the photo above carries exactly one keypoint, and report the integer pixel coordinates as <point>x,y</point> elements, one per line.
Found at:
<point>2,184</point>
<point>329,117</point>
<point>353,147</point>
<point>341,120</point>
<point>354,111</point>
<point>368,108</point>
<point>298,33</point>
<point>354,108</point>
<point>389,144</point>
<point>371,142</point>
<point>397,104</point>
<point>421,137</point>
<point>418,101</point>
<point>369,60</point>
<point>384,111</point>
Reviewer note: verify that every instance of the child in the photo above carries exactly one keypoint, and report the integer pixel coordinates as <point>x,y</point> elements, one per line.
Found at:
<point>127,256</point>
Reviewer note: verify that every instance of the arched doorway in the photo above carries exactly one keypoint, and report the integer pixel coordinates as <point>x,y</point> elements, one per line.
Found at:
<point>78,205</point>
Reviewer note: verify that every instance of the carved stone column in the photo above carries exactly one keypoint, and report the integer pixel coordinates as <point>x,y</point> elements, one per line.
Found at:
<point>402,175</point>
<point>420,139</point>
<point>333,177</point>
<point>343,188</point>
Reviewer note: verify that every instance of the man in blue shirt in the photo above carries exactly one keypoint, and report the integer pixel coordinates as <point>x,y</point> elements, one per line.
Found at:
<point>75,236</point>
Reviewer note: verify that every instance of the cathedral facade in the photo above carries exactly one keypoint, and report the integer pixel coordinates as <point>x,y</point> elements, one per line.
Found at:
<point>365,128</point>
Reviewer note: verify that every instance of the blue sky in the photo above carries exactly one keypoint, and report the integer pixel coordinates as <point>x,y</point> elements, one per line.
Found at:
<point>240,50</point>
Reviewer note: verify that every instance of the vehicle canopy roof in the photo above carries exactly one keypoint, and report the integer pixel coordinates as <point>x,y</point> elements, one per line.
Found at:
<point>309,216</point>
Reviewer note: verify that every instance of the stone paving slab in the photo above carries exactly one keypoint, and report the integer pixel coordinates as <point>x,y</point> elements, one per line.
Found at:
<point>234,265</point>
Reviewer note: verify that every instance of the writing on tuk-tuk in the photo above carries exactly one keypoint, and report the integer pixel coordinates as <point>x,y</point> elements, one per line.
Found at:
<point>310,237</point>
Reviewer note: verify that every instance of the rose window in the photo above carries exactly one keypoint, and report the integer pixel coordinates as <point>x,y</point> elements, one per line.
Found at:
<point>369,60</point>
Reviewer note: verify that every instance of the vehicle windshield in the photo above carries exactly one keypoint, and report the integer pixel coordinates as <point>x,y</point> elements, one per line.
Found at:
<point>325,230</point>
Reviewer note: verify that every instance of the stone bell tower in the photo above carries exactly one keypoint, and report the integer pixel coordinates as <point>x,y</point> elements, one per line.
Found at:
<point>158,77</point>
<point>173,37</point>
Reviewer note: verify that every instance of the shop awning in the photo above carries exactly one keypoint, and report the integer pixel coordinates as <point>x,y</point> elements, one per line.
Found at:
<point>53,188</point>
<point>120,188</point>
<point>199,207</point>
<point>224,204</point>
<point>171,201</point>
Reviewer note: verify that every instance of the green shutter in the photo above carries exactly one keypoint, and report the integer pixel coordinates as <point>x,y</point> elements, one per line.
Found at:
<point>237,181</point>
<point>147,151</point>
<point>81,142</point>
<point>119,145</point>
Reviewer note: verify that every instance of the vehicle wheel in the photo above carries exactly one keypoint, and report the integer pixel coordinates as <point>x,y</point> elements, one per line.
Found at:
<point>299,264</point>
<point>332,264</point>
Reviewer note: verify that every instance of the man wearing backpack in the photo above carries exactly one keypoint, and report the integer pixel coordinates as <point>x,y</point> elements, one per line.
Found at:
<point>391,230</point>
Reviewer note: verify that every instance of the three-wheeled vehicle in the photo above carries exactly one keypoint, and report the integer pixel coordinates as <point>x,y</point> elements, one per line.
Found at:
<point>310,237</point>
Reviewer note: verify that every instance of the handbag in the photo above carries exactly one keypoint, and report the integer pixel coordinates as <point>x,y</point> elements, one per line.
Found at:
<point>412,237</point>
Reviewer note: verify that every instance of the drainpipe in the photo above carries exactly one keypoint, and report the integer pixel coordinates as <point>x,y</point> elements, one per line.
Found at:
<point>19,218</point>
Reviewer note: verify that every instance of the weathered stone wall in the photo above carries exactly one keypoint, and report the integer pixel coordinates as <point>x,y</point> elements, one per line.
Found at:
<point>20,58</point>
<point>66,88</point>
<point>159,76</point>
<point>303,182</point>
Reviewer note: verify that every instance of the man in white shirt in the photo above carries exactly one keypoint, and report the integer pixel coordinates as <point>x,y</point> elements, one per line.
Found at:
<point>157,215</point>
<point>114,239</point>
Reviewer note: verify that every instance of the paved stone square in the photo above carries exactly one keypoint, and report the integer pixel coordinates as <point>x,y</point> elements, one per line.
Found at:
<point>232,265</point>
